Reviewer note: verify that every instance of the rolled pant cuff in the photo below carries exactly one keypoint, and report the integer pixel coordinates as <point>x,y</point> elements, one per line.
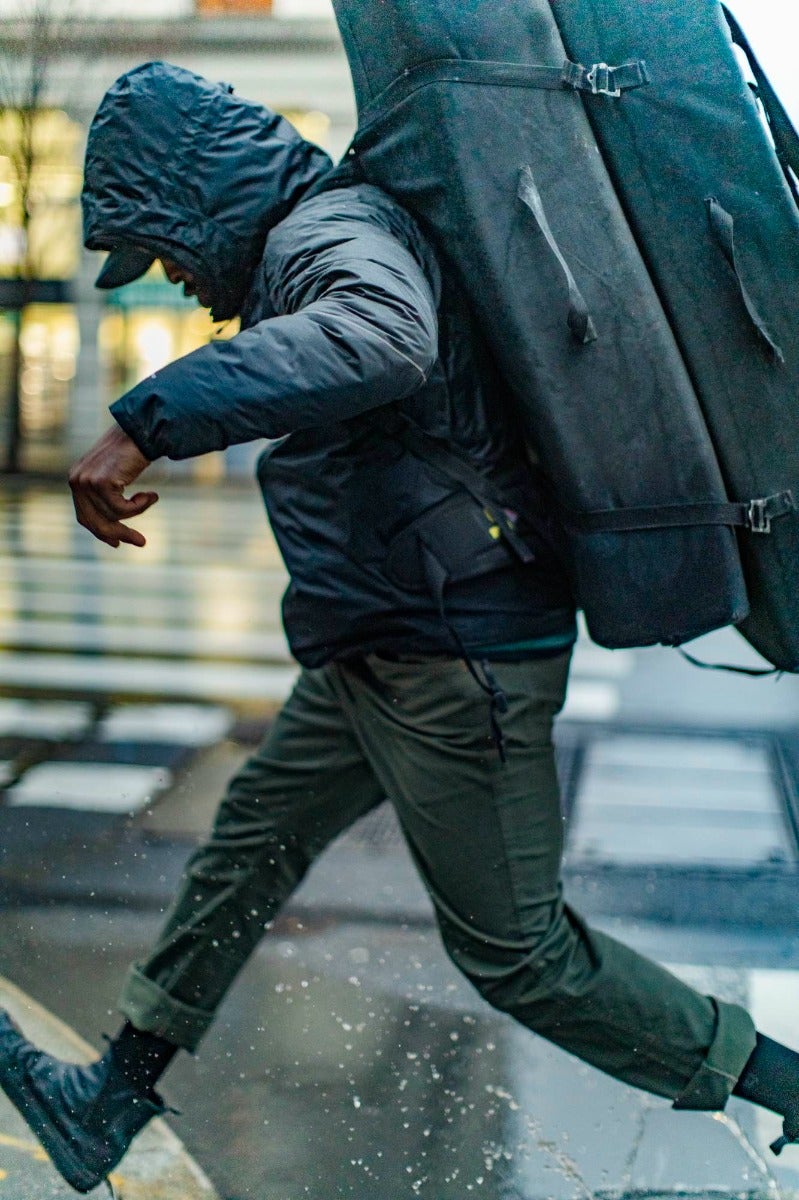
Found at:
<point>734,1041</point>
<point>147,1006</point>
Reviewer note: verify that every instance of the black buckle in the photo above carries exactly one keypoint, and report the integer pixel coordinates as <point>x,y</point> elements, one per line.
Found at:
<point>601,79</point>
<point>758,517</point>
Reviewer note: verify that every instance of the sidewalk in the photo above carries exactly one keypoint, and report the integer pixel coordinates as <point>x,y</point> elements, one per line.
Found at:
<point>157,1167</point>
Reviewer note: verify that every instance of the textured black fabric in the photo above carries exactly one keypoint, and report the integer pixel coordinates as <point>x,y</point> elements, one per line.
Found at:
<point>208,211</point>
<point>771,1077</point>
<point>348,320</point>
<point>85,1117</point>
<point>694,135</point>
<point>142,1057</point>
<point>654,366</point>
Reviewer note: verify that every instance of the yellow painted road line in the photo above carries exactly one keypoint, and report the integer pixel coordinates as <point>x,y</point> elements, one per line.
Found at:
<point>32,1148</point>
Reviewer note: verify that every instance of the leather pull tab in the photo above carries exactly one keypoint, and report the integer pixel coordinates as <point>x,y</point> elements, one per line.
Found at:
<point>579,319</point>
<point>723,228</point>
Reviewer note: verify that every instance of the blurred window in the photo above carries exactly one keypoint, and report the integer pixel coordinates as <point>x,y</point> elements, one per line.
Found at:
<point>148,324</point>
<point>49,343</point>
<point>142,332</point>
<point>309,123</point>
<point>51,167</point>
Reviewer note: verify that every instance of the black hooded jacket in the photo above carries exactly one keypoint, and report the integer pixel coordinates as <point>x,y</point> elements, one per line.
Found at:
<point>351,336</point>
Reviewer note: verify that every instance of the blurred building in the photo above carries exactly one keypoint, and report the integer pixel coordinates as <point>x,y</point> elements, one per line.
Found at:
<point>78,348</point>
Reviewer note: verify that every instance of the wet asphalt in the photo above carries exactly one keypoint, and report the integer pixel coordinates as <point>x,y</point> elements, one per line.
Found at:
<point>350,1059</point>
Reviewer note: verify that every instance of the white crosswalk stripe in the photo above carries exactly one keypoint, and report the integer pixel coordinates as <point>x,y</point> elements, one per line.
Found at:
<point>194,615</point>
<point>88,787</point>
<point>146,677</point>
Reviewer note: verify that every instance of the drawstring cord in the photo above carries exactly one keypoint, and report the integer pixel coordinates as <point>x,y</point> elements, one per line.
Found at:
<point>437,581</point>
<point>498,708</point>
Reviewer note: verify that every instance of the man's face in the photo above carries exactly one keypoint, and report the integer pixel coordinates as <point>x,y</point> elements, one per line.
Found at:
<point>191,285</point>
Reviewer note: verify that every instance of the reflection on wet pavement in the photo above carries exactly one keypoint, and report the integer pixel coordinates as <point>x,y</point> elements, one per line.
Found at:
<point>352,1061</point>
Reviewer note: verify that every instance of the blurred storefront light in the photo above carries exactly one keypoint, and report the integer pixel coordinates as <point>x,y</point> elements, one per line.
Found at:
<point>152,344</point>
<point>148,324</point>
<point>12,248</point>
<point>139,328</point>
<point>236,7</point>
<point>54,179</point>
<point>136,342</point>
<point>313,125</point>
<point>49,342</point>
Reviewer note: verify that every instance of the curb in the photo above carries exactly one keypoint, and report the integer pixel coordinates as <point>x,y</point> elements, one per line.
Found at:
<point>156,1167</point>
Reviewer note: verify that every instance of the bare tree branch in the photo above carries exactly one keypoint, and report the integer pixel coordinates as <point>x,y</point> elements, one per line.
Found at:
<point>24,83</point>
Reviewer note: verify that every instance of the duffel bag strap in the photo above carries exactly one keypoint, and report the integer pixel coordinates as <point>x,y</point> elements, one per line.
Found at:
<point>723,229</point>
<point>752,672</point>
<point>578,319</point>
<point>754,515</point>
<point>601,79</point>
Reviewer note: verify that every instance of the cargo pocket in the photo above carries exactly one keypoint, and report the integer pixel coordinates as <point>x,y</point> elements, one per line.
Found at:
<point>455,540</point>
<point>463,537</point>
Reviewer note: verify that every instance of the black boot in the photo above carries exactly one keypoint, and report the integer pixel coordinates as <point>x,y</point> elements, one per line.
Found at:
<point>771,1079</point>
<point>790,1134</point>
<point>85,1117</point>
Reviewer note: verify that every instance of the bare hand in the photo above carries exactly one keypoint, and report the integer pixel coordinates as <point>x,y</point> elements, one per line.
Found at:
<point>98,481</point>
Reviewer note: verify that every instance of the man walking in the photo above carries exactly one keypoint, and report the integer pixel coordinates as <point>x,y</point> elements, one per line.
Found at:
<point>429,606</point>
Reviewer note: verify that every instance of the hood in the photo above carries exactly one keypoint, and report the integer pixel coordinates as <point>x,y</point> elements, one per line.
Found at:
<point>180,166</point>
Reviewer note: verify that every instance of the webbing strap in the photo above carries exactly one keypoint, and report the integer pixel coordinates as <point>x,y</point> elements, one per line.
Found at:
<point>752,672</point>
<point>754,515</point>
<point>786,139</point>
<point>600,79</point>
<point>723,228</point>
<point>578,319</point>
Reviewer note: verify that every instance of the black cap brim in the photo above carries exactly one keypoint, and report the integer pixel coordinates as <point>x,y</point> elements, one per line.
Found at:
<point>123,265</point>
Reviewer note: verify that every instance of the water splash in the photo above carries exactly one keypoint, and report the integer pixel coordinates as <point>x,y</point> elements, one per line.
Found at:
<point>753,1154</point>
<point>563,1162</point>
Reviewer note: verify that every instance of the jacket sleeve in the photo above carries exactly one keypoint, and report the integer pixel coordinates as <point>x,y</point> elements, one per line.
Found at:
<point>357,329</point>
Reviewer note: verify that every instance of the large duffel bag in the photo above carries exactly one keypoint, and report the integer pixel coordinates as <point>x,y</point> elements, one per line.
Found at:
<point>630,244</point>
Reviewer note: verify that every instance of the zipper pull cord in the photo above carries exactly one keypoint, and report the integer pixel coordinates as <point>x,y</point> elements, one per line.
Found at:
<point>437,580</point>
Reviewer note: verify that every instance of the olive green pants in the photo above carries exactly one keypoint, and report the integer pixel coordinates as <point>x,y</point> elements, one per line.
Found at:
<point>487,837</point>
